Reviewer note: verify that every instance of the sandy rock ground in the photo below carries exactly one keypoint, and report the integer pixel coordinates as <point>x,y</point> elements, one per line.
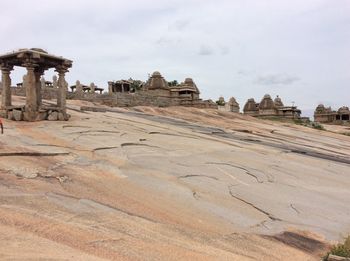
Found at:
<point>171,184</point>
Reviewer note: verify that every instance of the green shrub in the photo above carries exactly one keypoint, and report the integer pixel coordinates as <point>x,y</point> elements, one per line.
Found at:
<point>298,122</point>
<point>220,103</point>
<point>317,126</point>
<point>342,250</point>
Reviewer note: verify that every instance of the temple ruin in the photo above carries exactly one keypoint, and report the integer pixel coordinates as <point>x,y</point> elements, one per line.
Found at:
<point>82,88</point>
<point>155,92</point>
<point>324,114</point>
<point>231,106</point>
<point>36,61</point>
<point>186,90</point>
<point>120,86</point>
<point>270,108</point>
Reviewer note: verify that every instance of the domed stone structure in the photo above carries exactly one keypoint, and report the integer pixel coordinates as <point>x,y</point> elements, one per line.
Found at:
<point>269,108</point>
<point>186,90</point>
<point>267,103</point>
<point>320,109</point>
<point>230,106</point>
<point>156,91</point>
<point>251,107</point>
<point>278,102</point>
<point>39,50</point>
<point>326,115</point>
<point>189,83</point>
<point>156,81</point>
<point>343,110</point>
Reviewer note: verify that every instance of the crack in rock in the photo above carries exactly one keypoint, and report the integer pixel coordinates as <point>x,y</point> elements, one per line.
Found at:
<point>33,154</point>
<point>58,146</point>
<point>105,148</point>
<point>269,215</point>
<point>172,134</point>
<point>248,172</point>
<point>194,194</point>
<point>89,131</point>
<point>75,126</point>
<point>191,176</point>
<point>294,208</point>
<point>137,144</point>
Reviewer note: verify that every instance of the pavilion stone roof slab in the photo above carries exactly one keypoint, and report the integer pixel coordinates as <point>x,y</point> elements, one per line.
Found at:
<point>36,56</point>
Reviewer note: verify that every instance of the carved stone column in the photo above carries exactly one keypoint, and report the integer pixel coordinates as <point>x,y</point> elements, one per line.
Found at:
<point>110,87</point>
<point>43,82</point>
<point>78,88</point>
<point>62,88</point>
<point>6,86</point>
<point>92,87</point>
<point>54,82</point>
<point>38,73</point>
<point>31,107</point>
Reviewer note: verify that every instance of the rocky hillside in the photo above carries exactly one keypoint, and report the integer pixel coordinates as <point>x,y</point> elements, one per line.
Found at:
<point>170,184</point>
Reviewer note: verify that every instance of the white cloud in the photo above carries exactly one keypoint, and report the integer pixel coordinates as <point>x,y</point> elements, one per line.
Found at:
<point>205,50</point>
<point>209,41</point>
<point>276,79</point>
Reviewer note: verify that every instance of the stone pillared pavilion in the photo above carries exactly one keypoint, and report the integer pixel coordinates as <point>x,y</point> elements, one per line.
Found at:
<point>36,61</point>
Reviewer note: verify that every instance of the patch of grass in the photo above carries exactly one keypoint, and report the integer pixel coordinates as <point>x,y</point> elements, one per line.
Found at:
<point>342,250</point>
<point>298,122</point>
<point>317,126</point>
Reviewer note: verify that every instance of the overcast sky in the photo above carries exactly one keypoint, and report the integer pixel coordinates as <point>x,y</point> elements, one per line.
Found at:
<point>297,49</point>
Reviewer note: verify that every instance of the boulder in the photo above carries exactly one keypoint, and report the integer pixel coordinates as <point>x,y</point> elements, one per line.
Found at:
<point>53,116</point>
<point>42,115</point>
<point>61,116</point>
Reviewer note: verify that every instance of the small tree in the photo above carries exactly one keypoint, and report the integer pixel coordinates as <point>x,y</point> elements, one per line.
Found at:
<point>135,84</point>
<point>221,101</point>
<point>173,83</point>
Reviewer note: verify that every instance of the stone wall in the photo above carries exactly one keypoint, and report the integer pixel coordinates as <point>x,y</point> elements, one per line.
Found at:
<point>47,93</point>
<point>157,98</point>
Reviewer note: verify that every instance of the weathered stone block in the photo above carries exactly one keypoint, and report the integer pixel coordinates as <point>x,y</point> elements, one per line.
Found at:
<point>10,115</point>
<point>42,115</point>
<point>53,116</point>
<point>3,113</point>
<point>17,115</point>
<point>337,258</point>
<point>61,116</point>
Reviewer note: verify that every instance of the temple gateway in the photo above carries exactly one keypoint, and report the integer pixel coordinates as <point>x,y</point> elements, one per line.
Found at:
<point>36,61</point>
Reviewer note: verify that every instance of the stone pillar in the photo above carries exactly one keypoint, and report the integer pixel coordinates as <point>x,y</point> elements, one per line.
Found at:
<point>24,82</point>
<point>43,82</point>
<point>31,107</point>
<point>78,88</point>
<point>54,82</point>
<point>92,87</point>
<point>110,87</point>
<point>122,87</point>
<point>38,85</point>
<point>62,89</point>
<point>6,87</point>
